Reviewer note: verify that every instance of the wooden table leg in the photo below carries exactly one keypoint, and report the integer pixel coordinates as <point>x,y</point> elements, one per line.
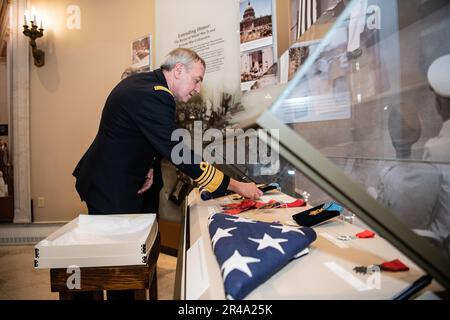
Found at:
<point>154,287</point>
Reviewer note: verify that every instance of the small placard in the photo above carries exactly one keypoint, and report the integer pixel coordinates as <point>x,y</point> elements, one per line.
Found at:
<point>198,280</point>
<point>191,198</point>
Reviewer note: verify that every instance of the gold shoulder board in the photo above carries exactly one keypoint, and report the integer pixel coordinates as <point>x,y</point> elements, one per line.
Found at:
<point>162,88</point>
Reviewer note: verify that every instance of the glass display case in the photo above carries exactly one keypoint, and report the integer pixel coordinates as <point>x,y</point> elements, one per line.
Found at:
<point>365,120</point>
<point>364,123</point>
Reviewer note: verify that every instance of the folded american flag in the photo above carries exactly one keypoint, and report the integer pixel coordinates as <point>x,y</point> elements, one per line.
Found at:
<point>249,252</point>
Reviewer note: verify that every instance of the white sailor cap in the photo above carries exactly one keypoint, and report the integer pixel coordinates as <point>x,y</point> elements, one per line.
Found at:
<point>439,76</point>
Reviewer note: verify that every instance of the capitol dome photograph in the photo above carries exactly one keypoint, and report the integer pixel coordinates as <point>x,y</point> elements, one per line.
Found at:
<point>256,20</point>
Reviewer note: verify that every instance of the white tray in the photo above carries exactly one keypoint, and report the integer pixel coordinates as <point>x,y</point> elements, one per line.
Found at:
<point>99,240</point>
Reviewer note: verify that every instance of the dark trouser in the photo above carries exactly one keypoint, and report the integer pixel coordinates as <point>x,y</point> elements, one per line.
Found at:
<point>150,203</point>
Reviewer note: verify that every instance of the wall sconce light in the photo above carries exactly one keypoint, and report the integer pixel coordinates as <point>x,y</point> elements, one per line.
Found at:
<point>33,33</point>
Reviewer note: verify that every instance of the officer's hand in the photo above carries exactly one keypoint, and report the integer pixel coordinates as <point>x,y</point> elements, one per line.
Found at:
<point>247,190</point>
<point>148,182</point>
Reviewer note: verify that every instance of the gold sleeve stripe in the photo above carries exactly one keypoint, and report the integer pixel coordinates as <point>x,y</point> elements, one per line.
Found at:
<point>209,174</point>
<point>211,178</point>
<point>162,88</point>
<point>215,182</point>
<point>205,167</point>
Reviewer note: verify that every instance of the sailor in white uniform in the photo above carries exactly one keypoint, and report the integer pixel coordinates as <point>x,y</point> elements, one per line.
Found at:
<point>438,149</point>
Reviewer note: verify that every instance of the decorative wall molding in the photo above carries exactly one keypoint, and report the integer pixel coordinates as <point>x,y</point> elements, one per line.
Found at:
<point>23,234</point>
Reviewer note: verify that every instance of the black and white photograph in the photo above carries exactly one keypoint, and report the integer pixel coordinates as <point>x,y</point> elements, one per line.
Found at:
<point>297,56</point>
<point>308,12</point>
<point>294,58</point>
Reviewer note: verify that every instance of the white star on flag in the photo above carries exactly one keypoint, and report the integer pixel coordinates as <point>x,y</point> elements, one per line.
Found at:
<point>249,251</point>
<point>236,261</point>
<point>268,241</point>
<point>212,211</point>
<point>239,219</point>
<point>285,229</point>
<point>221,233</point>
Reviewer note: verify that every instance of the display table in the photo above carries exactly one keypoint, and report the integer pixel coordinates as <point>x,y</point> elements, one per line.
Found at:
<point>140,278</point>
<point>325,273</point>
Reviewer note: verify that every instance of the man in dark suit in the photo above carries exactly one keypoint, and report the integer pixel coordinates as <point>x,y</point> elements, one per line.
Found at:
<point>118,169</point>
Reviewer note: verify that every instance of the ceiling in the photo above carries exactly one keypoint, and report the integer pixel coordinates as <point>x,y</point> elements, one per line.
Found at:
<point>4,27</point>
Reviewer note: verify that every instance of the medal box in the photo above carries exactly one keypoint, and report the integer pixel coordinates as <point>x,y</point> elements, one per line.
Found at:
<point>99,240</point>
<point>318,214</point>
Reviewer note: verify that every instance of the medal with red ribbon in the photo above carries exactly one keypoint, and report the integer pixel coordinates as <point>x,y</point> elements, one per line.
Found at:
<point>366,234</point>
<point>392,266</point>
<point>247,204</point>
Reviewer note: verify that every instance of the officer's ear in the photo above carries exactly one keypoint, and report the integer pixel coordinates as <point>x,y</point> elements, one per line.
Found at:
<point>178,69</point>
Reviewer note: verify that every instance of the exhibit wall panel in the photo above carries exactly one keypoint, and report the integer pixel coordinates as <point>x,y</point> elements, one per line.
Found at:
<point>211,28</point>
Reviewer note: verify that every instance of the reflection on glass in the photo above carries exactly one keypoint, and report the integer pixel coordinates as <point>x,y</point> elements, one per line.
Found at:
<point>374,97</point>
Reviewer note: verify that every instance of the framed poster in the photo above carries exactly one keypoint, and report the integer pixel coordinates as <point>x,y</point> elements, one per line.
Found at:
<point>213,36</point>
<point>141,53</point>
<point>256,24</point>
<point>258,67</point>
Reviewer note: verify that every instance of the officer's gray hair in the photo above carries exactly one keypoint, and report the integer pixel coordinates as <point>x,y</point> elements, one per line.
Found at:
<point>181,55</point>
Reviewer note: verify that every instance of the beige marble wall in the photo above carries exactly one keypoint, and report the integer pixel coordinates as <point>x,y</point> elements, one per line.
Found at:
<point>68,93</point>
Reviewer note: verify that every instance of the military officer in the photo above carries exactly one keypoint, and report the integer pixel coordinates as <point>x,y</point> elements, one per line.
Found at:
<point>117,171</point>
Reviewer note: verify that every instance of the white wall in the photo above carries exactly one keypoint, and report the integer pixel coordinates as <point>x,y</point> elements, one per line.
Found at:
<point>68,93</point>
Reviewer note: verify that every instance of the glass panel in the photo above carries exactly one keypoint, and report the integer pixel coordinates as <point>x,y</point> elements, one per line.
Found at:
<point>374,97</point>
<point>251,155</point>
<point>245,156</point>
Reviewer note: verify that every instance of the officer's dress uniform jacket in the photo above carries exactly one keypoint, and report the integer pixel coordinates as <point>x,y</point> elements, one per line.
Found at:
<point>135,129</point>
